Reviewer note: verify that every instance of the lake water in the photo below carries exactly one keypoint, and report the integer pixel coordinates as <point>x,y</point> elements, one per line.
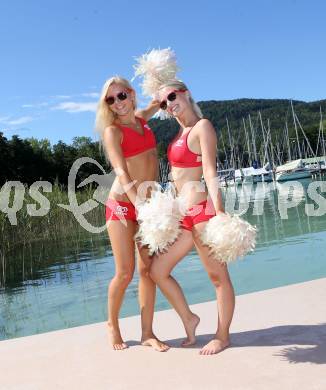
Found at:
<point>65,285</point>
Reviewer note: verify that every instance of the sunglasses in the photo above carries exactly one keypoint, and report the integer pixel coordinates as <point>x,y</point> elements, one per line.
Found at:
<point>171,97</point>
<point>120,96</point>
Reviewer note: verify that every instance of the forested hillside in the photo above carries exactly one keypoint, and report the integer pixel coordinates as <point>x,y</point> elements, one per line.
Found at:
<point>30,159</point>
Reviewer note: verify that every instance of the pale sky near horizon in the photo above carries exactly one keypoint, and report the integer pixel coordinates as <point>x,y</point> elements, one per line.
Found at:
<point>56,56</point>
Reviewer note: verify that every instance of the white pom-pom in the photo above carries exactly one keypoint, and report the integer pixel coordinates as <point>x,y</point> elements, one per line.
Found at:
<point>228,237</point>
<point>159,220</point>
<point>162,114</point>
<point>157,68</point>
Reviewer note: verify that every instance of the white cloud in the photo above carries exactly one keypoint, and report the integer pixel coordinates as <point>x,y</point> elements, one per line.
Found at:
<point>18,121</point>
<point>76,107</point>
<point>36,105</point>
<point>94,95</point>
<point>61,97</point>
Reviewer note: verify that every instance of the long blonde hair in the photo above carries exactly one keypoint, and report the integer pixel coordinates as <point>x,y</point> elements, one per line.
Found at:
<point>104,115</point>
<point>178,84</point>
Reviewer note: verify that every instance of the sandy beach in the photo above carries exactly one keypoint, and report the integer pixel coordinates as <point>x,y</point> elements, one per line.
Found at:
<point>278,342</point>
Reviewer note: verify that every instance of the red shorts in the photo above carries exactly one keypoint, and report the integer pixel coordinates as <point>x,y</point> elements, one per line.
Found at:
<point>117,210</point>
<point>197,213</point>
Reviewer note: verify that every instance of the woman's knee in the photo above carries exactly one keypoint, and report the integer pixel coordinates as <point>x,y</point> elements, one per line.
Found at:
<point>144,271</point>
<point>219,278</point>
<point>214,278</point>
<point>153,273</point>
<point>124,276</point>
<point>156,273</point>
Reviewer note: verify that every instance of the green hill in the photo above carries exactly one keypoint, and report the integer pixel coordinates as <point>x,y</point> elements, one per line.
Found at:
<point>31,159</point>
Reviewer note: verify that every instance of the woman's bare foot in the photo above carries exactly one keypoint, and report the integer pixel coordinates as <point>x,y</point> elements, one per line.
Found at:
<point>154,342</point>
<point>190,328</point>
<point>214,346</point>
<point>115,338</point>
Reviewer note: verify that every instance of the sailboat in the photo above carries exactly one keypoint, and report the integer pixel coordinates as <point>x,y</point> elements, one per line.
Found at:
<point>300,168</point>
<point>292,170</point>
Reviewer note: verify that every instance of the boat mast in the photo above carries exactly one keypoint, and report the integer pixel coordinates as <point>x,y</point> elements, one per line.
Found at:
<point>264,139</point>
<point>322,131</point>
<point>296,131</point>
<point>269,136</point>
<point>304,134</point>
<point>248,142</point>
<point>253,139</point>
<point>288,141</point>
<point>231,144</point>
<point>304,149</point>
<point>279,154</point>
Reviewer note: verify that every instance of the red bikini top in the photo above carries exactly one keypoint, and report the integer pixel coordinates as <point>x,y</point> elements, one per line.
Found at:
<point>134,143</point>
<point>180,155</point>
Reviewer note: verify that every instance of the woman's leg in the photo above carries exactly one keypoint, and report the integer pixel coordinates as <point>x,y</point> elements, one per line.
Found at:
<point>146,296</point>
<point>123,247</point>
<point>219,275</point>
<point>160,272</point>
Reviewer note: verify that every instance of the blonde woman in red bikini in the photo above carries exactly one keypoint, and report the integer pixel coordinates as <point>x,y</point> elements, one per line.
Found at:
<point>193,154</point>
<point>130,146</point>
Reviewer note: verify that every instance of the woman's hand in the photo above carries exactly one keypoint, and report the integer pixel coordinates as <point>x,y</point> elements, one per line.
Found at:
<point>149,111</point>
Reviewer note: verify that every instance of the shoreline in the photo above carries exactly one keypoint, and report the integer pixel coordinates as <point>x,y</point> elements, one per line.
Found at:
<point>278,337</point>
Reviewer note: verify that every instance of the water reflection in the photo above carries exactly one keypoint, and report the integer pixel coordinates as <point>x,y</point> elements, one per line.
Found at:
<point>268,204</point>
<point>35,261</point>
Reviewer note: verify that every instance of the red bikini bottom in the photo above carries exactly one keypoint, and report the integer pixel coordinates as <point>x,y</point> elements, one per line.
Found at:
<point>197,213</point>
<point>116,210</point>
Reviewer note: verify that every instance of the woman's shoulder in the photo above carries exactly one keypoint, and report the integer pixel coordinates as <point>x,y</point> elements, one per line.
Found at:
<point>112,130</point>
<point>204,124</point>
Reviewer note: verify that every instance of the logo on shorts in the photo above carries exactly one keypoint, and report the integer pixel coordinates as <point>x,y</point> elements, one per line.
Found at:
<point>121,210</point>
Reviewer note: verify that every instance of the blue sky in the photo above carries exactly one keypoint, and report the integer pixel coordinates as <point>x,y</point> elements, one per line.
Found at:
<point>55,56</point>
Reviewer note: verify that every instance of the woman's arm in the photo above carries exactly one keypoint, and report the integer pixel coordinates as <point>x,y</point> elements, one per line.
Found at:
<point>112,145</point>
<point>149,111</point>
<point>208,146</point>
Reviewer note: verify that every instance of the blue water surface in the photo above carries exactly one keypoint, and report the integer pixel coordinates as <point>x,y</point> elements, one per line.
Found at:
<point>69,287</point>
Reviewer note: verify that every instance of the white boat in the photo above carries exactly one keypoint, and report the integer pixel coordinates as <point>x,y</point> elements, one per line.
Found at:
<point>249,175</point>
<point>264,177</point>
<point>254,175</point>
<point>292,170</point>
<point>315,164</point>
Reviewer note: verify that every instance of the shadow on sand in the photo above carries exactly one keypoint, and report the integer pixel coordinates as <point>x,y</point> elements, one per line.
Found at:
<point>306,343</point>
